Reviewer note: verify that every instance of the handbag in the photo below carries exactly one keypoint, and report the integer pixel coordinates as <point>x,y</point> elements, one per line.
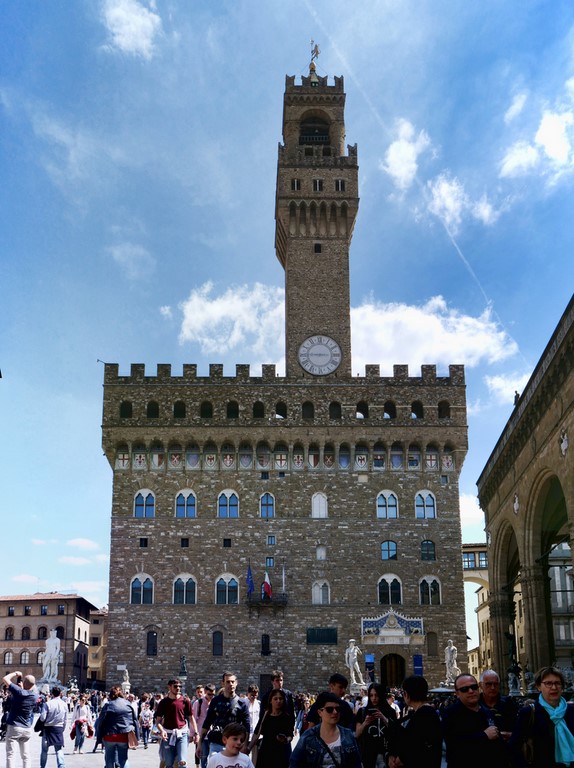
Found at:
<point>39,726</point>
<point>133,740</point>
<point>73,732</point>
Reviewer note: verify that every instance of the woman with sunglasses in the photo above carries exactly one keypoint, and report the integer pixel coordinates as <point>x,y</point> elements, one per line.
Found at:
<point>327,745</point>
<point>546,727</point>
<point>371,728</point>
<point>276,726</point>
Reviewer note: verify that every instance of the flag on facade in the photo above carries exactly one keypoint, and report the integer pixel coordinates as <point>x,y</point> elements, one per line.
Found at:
<point>267,591</point>
<point>250,584</point>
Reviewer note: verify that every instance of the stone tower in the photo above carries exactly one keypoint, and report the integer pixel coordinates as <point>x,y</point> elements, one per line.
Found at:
<point>342,489</point>
<point>316,206</point>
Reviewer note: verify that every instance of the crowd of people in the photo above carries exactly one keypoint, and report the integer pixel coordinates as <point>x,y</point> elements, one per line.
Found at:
<point>377,728</point>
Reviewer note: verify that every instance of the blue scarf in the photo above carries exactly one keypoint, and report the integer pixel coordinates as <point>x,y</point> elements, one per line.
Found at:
<point>563,738</point>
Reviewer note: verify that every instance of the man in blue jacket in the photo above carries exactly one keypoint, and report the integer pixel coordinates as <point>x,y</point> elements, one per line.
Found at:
<point>20,717</point>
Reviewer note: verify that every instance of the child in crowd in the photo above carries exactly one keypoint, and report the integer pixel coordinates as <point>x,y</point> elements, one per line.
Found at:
<point>234,738</point>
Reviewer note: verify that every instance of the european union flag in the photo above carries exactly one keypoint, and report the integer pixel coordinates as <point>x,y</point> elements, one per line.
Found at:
<point>250,584</point>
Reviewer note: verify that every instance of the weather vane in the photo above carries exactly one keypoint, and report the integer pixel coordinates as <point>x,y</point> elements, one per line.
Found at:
<point>315,50</point>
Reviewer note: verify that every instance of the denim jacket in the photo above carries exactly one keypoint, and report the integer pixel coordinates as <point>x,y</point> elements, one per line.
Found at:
<point>310,750</point>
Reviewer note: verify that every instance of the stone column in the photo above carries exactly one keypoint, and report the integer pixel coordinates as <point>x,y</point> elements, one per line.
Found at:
<point>537,639</point>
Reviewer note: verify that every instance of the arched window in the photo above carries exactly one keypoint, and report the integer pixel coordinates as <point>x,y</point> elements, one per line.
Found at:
<point>265,645</point>
<point>40,657</point>
<point>185,504</point>
<point>151,643</point>
<point>389,550</point>
<point>444,409</point>
<point>429,590</point>
<point>228,504</point>
<point>227,590</point>
<point>184,591</point>
<point>396,456</point>
<point>42,633</point>
<point>308,410</point>
<point>217,643</point>
<point>281,411</point>
<point>232,410</point>
<point>144,504</point>
<point>362,411</point>
<point>179,410</point>
<point>320,593</point>
<point>321,552</point>
<point>389,590</point>
<point>387,506</point>
<point>334,410</point>
<point>126,410</point>
<point>25,633</point>
<point>25,657</point>
<point>8,657</point>
<point>417,411</point>
<point>141,591</point>
<point>267,506</point>
<point>390,410</point>
<point>9,633</point>
<point>206,410</point>
<point>152,411</point>
<point>425,506</point>
<point>258,410</point>
<point>319,505</point>
<point>428,550</point>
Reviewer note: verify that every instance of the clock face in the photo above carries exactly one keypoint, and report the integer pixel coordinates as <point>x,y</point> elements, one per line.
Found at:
<point>319,355</point>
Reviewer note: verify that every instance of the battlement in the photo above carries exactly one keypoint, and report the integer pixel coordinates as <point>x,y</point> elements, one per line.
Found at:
<point>269,374</point>
<point>311,86</point>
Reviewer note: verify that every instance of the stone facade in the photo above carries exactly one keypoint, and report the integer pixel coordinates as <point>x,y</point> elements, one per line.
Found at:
<point>527,492</point>
<point>343,489</point>
<point>25,623</point>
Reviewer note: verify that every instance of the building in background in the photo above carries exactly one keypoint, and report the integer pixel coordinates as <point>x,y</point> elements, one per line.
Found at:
<point>98,649</point>
<point>262,521</point>
<point>527,493</point>
<point>25,624</point>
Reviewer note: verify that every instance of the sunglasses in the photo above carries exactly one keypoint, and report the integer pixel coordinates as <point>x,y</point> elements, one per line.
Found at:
<point>330,710</point>
<point>467,688</point>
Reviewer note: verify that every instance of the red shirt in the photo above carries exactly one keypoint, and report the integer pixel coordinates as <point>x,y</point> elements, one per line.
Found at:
<point>175,712</point>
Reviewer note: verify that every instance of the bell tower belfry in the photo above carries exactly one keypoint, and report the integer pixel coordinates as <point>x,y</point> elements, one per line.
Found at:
<point>316,206</point>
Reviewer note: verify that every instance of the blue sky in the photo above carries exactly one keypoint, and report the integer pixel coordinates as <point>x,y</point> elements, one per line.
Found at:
<point>138,162</point>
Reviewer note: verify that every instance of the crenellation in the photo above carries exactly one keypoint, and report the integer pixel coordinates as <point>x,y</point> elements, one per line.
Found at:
<point>400,372</point>
<point>215,371</point>
<point>137,372</point>
<point>163,372</point>
<point>242,372</point>
<point>428,373</point>
<point>189,371</point>
<point>372,371</point>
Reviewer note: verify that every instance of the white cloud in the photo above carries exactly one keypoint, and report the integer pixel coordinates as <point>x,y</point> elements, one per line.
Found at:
<point>246,317</point>
<point>136,261</point>
<point>450,203</point>
<point>484,211</point>
<point>401,157</point>
<point>472,519</point>
<point>83,544</point>
<point>515,108</point>
<point>250,318</point>
<point>68,560</point>
<point>503,387</point>
<point>43,542</point>
<point>166,312</point>
<point>132,26</point>
<point>554,135</point>
<point>519,159</point>
<point>431,333</point>
<point>25,578</point>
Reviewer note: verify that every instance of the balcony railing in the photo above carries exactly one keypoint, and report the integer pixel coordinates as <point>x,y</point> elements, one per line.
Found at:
<point>278,599</point>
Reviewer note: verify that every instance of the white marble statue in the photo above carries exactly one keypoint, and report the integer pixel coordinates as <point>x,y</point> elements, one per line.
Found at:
<point>450,654</point>
<point>126,685</point>
<point>51,658</point>
<point>351,660</point>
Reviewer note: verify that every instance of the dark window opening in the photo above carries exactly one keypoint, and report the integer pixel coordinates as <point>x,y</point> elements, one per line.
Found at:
<point>151,644</point>
<point>226,543</point>
<point>232,410</point>
<point>152,410</point>
<point>265,645</point>
<point>206,410</point>
<point>258,410</point>
<point>217,645</point>
<point>179,410</point>
<point>126,410</point>
<point>314,130</point>
<point>185,542</point>
<point>143,542</point>
<point>317,248</point>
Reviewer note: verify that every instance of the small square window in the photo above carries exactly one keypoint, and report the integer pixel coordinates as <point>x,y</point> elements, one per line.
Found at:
<point>27,610</point>
<point>43,610</point>
<point>316,247</point>
<point>295,185</point>
<point>61,610</point>
<point>95,621</point>
<point>317,185</point>
<point>94,640</point>
<point>444,479</point>
<point>265,475</point>
<point>280,475</point>
<point>271,541</point>
<point>185,542</point>
<point>10,610</point>
<point>226,543</point>
<point>143,542</point>
<point>269,562</point>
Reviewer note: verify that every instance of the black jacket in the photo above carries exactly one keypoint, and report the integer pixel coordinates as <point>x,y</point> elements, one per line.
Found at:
<point>541,729</point>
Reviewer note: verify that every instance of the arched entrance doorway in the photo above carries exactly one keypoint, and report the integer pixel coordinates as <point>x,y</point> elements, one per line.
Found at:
<point>392,670</point>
